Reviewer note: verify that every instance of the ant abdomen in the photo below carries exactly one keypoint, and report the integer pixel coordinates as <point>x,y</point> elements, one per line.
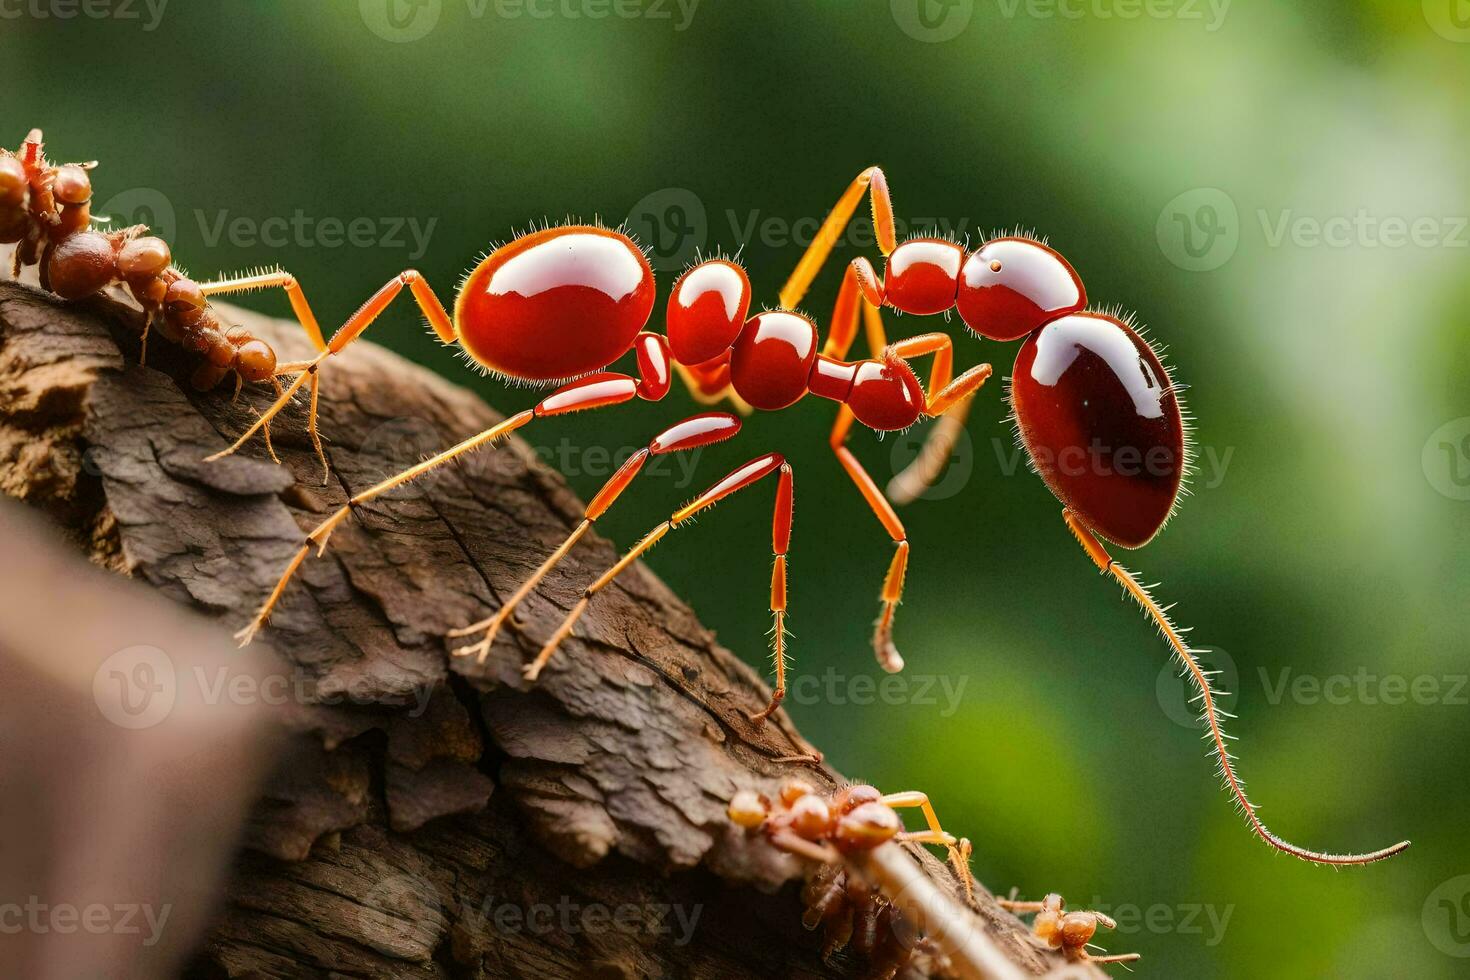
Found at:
<point>1100,418</point>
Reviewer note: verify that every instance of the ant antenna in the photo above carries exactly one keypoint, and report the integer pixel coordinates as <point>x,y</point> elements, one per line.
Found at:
<point>1211,714</point>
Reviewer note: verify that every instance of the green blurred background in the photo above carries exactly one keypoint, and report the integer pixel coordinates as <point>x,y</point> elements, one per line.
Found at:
<point>1181,155</point>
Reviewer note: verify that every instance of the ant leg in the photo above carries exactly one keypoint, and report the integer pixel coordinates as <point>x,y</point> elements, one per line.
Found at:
<point>357,323</point>
<point>1210,712</point>
<point>888,656</point>
<point>872,182</point>
<point>959,851</point>
<point>267,280</point>
<point>595,391</point>
<point>780,544</point>
<point>948,399</point>
<point>738,479</point>
<point>323,531</point>
<point>692,433</point>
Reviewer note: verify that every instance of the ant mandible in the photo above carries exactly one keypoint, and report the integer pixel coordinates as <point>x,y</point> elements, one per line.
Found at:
<point>566,302</point>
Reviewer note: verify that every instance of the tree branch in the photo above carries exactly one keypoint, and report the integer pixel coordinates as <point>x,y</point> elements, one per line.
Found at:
<point>430,817</point>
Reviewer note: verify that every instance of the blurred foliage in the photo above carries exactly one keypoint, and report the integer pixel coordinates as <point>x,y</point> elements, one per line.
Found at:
<point>1320,540</point>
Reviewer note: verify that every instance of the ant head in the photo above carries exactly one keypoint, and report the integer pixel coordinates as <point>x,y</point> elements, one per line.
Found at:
<point>886,395</point>
<point>749,809</point>
<point>865,827</point>
<point>1014,285</point>
<point>855,796</point>
<point>1077,929</point>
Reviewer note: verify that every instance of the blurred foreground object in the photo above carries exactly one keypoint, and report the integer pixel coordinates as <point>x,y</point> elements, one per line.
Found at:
<point>431,816</point>
<point>124,792</point>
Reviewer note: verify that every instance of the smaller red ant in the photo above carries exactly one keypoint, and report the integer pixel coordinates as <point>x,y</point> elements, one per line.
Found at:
<point>803,822</point>
<point>46,211</point>
<point>1070,932</point>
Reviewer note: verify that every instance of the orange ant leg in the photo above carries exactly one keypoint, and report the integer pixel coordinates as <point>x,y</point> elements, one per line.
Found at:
<point>595,391</point>
<point>357,323</point>
<point>888,656</point>
<point>1210,712</point>
<point>780,544</point>
<point>692,433</point>
<point>323,531</point>
<point>267,280</point>
<point>738,479</point>
<point>948,400</point>
<point>959,850</point>
<point>872,182</point>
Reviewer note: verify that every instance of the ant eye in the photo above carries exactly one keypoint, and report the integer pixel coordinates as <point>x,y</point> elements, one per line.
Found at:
<point>1013,286</point>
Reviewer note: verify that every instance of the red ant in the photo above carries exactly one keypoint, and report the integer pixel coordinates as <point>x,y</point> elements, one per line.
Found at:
<point>1070,932</point>
<point>565,303</point>
<point>45,209</point>
<point>822,829</point>
<point>858,818</point>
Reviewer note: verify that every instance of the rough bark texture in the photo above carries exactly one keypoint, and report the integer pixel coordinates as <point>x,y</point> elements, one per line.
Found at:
<point>431,817</point>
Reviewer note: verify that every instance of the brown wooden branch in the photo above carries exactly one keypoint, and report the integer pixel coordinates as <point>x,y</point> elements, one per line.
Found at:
<point>430,817</point>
